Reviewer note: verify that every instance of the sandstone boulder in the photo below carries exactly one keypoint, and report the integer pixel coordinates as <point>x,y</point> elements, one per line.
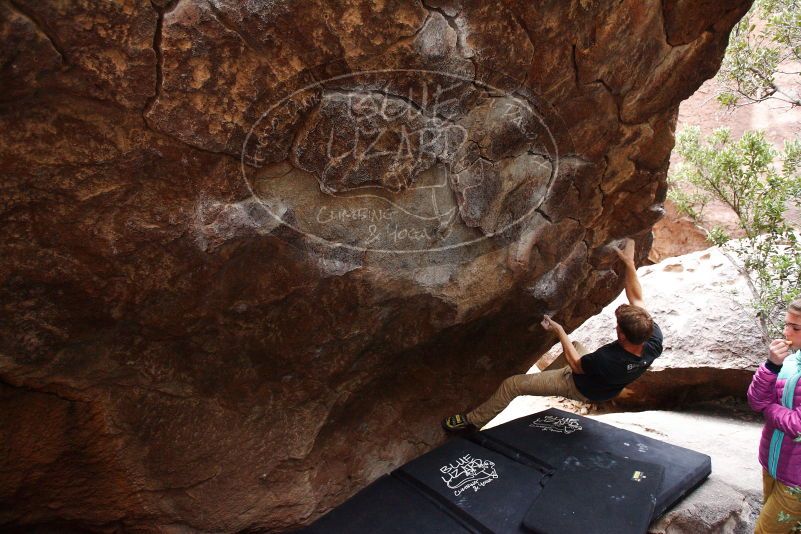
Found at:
<point>253,251</point>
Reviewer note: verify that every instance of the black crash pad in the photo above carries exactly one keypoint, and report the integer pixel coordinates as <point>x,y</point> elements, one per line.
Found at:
<point>387,506</point>
<point>487,490</point>
<point>553,436</point>
<point>600,493</point>
<point>549,473</point>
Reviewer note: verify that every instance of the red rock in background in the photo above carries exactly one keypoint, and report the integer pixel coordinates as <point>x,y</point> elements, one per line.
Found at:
<point>183,349</point>
<point>676,234</point>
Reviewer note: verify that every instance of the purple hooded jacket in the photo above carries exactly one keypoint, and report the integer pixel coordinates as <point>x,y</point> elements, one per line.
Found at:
<point>765,395</point>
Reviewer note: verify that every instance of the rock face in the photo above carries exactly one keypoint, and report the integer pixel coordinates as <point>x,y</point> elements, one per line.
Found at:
<point>713,342</point>
<point>253,251</point>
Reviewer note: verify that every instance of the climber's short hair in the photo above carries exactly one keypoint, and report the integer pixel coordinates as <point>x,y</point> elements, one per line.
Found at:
<point>635,323</point>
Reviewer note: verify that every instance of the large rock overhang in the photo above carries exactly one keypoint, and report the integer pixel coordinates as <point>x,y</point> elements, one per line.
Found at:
<point>253,251</point>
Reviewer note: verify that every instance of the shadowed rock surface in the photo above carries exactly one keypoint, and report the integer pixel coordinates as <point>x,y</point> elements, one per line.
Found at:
<point>253,251</point>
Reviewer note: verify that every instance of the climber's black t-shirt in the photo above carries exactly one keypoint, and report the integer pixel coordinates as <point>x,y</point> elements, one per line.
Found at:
<point>610,368</point>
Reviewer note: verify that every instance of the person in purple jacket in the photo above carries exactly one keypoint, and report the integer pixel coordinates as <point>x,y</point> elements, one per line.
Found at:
<point>776,392</point>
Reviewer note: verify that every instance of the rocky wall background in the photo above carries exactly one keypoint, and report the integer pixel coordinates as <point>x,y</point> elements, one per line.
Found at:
<point>252,252</point>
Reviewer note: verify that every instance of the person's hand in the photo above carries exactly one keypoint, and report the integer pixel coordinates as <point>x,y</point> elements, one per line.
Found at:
<point>627,253</point>
<point>778,350</point>
<point>549,324</point>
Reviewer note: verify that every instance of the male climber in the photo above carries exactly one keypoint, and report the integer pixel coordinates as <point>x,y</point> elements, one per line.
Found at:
<point>594,377</point>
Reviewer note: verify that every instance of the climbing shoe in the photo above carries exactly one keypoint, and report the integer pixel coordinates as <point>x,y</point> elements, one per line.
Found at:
<point>457,423</point>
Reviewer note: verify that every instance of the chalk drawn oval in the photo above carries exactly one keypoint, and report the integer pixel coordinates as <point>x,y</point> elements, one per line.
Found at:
<point>402,160</point>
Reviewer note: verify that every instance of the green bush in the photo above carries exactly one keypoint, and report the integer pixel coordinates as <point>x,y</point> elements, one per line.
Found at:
<point>756,52</point>
<point>745,175</point>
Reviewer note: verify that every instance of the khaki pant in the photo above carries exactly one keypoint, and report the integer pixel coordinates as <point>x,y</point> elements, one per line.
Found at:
<point>781,511</point>
<point>547,383</point>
